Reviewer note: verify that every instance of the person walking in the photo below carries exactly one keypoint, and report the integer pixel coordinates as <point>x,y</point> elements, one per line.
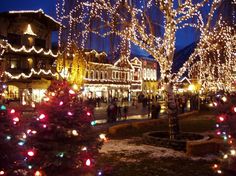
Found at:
<point>125,112</point>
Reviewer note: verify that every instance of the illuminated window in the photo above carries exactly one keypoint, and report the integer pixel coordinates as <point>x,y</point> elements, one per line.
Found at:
<point>105,76</point>
<point>13,64</point>
<point>92,74</point>
<point>30,62</point>
<point>97,75</point>
<point>101,75</point>
<point>13,92</point>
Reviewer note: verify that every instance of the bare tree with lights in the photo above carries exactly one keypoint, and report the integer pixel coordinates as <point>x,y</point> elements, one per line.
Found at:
<point>213,60</point>
<point>137,23</point>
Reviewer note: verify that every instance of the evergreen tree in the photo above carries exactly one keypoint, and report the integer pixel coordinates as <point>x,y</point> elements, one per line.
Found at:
<point>226,129</point>
<point>11,143</point>
<point>65,142</point>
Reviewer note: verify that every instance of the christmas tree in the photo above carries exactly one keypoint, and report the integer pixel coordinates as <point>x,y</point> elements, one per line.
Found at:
<point>64,142</point>
<point>226,129</point>
<point>11,142</point>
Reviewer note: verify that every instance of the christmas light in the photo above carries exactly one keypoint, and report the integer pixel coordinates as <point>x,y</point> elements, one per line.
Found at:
<point>234,109</point>
<point>30,153</point>
<point>8,138</point>
<point>84,149</point>
<point>21,143</point>
<point>41,71</point>
<point>75,133</point>
<point>221,118</point>
<point>42,116</point>
<point>61,103</point>
<point>30,50</point>
<point>70,113</point>
<point>93,123</point>
<point>3,107</point>
<point>12,111</point>
<point>29,31</point>
<point>16,119</point>
<point>2,172</point>
<point>71,92</point>
<point>38,173</point>
<point>233,152</point>
<point>224,99</point>
<point>88,162</point>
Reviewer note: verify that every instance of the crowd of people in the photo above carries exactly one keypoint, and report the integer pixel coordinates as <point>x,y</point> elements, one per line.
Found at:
<point>119,109</point>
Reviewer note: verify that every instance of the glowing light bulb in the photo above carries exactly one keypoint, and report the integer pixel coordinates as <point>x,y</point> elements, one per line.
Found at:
<point>102,136</point>
<point>16,119</point>
<point>61,103</point>
<point>71,92</point>
<point>84,148</point>
<point>88,162</point>
<point>30,153</point>
<point>75,133</point>
<point>37,173</point>
<point>221,118</point>
<point>42,116</point>
<point>70,113</point>
<point>215,166</point>
<point>88,114</point>
<point>2,172</point>
<point>233,152</point>
<point>234,109</point>
<point>12,111</point>
<point>225,156</point>
<point>224,99</point>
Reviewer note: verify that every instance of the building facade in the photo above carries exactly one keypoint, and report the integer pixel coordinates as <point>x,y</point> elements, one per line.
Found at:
<point>122,79</point>
<point>26,53</point>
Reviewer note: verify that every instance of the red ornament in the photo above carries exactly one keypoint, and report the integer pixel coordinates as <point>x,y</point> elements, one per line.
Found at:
<point>88,162</point>
<point>30,153</point>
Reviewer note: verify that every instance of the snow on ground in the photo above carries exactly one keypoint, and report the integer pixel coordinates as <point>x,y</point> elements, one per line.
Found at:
<point>128,147</point>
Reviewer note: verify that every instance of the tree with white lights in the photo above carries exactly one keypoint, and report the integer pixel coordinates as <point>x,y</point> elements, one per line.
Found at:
<point>135,22</point>
<point>212,62</point>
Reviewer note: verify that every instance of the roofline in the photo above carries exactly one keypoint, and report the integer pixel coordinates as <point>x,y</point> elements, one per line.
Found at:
<point>34,11</point>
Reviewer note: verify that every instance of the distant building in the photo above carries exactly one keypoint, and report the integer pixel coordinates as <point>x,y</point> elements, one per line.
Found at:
<point>25,52</point>
<point>122,79</point>
<point>149,75</point>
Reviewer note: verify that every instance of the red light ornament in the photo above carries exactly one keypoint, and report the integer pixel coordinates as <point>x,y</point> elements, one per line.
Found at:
<point>88,162</point>
<point>88,114</point>
<point>16,119</point>
<point>38,173</point>
<point>234,109</point>
<point>221,118</point>
<point>30,153</point>
<point>42,116</point>
<point>71,92</point>
<point>12,111</point>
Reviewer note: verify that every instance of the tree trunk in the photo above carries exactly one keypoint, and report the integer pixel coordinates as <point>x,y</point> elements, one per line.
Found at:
<point>172,111</point>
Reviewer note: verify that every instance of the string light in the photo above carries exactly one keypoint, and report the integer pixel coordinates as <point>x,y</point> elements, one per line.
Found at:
<point>136,29</point>
<point>41,71</point>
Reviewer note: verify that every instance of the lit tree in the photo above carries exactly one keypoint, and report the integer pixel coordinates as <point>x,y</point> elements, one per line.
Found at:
<point>225,129</point>
<point>133,22</point>
<point>63,142</point>
<point>213,60</point>
<point>11,142</point>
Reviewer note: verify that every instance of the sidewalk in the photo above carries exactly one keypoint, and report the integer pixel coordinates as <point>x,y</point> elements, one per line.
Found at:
<point>103,126</point>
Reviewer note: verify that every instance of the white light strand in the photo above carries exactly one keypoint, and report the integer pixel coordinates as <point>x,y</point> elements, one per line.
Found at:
<point>41,71</point>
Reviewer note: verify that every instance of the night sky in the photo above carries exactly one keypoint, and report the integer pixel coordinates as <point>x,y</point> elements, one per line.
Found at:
<point>184,37</point>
